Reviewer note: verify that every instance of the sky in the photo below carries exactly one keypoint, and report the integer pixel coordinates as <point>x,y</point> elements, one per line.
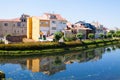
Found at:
<point>106,12</point>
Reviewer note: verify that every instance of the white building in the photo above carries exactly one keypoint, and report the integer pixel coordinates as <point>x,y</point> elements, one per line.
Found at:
<point>99,29</point>
<point>54,23</point>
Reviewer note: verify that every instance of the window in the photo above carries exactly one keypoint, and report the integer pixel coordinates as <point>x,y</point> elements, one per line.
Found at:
<point>64,23</point>
<point>53,28</point>
<point>41,22</point>
<point>14,25</point>
<point>14,31</point>
<point>22,31</point>
<point>23,20</point>
<point>19,24</point>
<point>23,25</point>
<point>53,17</point>
<point>5,24</point>
<point>46,22</point>
<point>53,22</point>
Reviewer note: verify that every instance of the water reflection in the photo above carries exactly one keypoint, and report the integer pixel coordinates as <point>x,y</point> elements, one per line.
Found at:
<point>53,64</point>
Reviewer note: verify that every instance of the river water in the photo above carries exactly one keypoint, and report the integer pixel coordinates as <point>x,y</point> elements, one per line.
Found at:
<point>94,64</point>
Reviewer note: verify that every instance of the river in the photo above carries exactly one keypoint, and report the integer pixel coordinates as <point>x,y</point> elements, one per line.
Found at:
<point>93,64</point>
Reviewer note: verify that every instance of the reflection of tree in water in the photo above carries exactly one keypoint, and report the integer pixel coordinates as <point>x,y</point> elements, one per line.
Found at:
<point>118,46</point>
<point>108,49</point>
<point>57,61</point>
<point>113,47</point>
<point>90,54</point>
<point>52,64</point>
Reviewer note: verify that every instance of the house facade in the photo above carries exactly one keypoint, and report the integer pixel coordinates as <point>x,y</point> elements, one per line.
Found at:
<point>100,29</point>
<point>79,27</point>
<point>53,23</point>
<point>14,27</point>
<point>47,25</point>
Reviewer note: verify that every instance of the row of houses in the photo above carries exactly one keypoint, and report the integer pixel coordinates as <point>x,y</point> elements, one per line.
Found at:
<point>41,27</point>
<point>85,29</point>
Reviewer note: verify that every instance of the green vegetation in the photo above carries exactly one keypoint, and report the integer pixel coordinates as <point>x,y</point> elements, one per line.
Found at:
<point>91,36</point>
<point>68,39</point>
<point>58,35</point>
<point>38,48</point>
<point>109,35</point>
<point>101,35</point>
<point>79,36</point>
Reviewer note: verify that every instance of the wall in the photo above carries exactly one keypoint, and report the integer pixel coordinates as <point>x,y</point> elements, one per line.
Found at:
<point>13,29</point>
<point>29,28</point>
<point>45,26</point>
<point>35,28</point>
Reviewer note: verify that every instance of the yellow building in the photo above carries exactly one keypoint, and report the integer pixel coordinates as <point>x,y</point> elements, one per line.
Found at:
<point>40,28</point>
<point>33,28</point>
<point>34,65</point>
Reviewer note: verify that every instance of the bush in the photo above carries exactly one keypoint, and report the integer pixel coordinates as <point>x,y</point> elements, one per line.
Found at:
<point>49,45</point>
<point>109,35</point>
<point>58,35</point>
<point>101,35</point>
<point>79,36</point>
<point>91,36</point>
<point>67,39</point>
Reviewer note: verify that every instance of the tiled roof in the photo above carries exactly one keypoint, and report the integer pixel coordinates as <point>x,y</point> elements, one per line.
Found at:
<point>14,20</point>
<point>43,17</point>
<point>48,16</point>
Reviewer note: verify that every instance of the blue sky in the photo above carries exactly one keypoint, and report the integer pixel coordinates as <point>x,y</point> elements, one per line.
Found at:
<point>107,12</point>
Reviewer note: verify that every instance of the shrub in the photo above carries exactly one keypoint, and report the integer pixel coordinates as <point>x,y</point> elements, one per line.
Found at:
<point>109,35</point>
<point>91,36</point>
<point>79,36</point>
<point>101,35</point>
<point>58,35</point>
<point>67,39</point>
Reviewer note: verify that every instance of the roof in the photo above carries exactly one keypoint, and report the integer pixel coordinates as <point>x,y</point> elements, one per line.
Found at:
<point>42,17</point>
<point>10,20</point>
<point>80,22</point>
<point>49,16</point>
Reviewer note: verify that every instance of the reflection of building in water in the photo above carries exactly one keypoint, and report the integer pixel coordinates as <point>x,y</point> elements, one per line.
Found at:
<point>52,64</point>
<point>85,56</point>
<point>76,57</point>
<point>98,53</point>
<point>46,65</point>
<point>33,64</point>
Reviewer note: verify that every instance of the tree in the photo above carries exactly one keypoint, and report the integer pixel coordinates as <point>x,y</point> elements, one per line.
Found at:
<point>91,36</point>
<point>109,35</point>
<point>58,35</point>
<point>114,35</point>
<point>112,31</point>
<point>101,35</point>
<point>117,32</point>
<point>79,36</point>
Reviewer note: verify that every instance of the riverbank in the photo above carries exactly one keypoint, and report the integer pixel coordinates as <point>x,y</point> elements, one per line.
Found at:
<point>48,48</point>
